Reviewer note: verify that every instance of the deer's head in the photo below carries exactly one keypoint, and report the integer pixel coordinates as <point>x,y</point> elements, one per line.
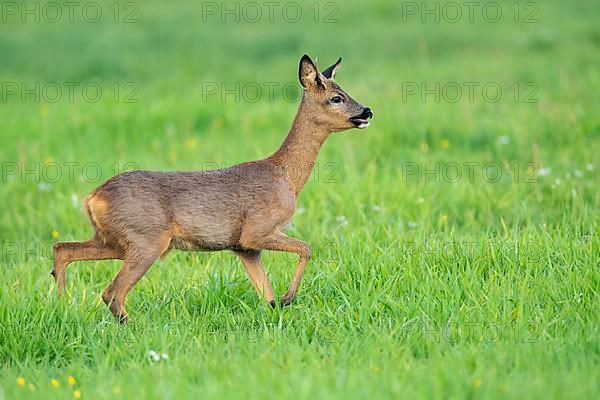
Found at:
<point>326,102</point>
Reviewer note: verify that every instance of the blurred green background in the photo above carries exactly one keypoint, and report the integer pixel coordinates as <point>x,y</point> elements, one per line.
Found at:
<point>396,247</point>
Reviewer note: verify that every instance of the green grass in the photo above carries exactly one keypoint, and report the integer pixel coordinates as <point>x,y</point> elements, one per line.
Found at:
<point>421,285</point>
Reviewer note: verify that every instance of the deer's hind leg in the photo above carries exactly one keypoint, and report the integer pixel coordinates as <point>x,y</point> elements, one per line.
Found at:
<point>138,259</point>
<point>67,252</point>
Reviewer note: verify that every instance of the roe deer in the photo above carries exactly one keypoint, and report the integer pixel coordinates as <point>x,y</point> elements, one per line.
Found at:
<point>139,216</point>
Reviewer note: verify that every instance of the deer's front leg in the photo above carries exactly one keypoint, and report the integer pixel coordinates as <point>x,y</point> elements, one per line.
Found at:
<point>279,241</point>
<point>253,266</point>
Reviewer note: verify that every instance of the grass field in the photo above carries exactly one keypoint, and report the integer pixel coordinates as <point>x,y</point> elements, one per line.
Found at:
<point>455,241</point>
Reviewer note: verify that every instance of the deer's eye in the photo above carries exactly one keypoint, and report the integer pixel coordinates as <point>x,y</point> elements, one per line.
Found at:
<point>336,99</point>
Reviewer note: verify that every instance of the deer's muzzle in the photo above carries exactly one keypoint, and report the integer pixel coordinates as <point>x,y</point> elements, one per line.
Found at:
<point>362,120</point>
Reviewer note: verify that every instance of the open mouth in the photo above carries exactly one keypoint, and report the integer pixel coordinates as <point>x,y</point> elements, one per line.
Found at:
<point>362,121</point>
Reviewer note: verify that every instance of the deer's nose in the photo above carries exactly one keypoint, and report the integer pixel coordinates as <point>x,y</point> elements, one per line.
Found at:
<point>367,113</point>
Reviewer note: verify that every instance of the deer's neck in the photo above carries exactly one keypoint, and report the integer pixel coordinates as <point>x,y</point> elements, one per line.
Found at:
<point>298,152</point>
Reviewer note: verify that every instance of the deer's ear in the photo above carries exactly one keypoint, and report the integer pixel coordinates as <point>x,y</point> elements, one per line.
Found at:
<point>309,75</point>
<point>330,72</point>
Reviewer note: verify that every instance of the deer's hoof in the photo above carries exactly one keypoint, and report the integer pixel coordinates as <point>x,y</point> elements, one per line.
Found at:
<point>286,300</point>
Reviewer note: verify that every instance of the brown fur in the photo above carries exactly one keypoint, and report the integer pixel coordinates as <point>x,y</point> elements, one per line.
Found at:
<point>139,216</point>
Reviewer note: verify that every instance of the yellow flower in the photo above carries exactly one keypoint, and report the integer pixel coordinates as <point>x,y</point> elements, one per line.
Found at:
<point>191,143</point>
<point>76,394</point>
<point>48,160</point>
<point>44,109</point>
<point>217,122</point>
<point>31,387</point>
<point>55,234</point>
<point>21,381</point>
<point>117,391</point>
<point>71,380</point>
<point>444,218</point>
<point>424,147</point>
<point>477,383</point>
<point>55,383</point>
<point>445,143</point>
<point>172,155</point>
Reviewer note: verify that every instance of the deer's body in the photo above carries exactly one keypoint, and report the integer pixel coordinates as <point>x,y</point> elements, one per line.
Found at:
<point>196,210</point>
<point>139,216</point>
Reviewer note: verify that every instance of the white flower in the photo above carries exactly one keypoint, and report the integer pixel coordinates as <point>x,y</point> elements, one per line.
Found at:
<point>589,167</point>
<point>504,139</point>
<point>75,200</point>
<point>557,181</point>
<point>412,225</point>
<point>301,210</point>
<point>154,356</point>
<point>44,187</point>
<point>578,173</point>
<point>420,200</point>
<point>341,219</point>
<point>164,356</point>
<point>544,171</point>
<point>376,208</point>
